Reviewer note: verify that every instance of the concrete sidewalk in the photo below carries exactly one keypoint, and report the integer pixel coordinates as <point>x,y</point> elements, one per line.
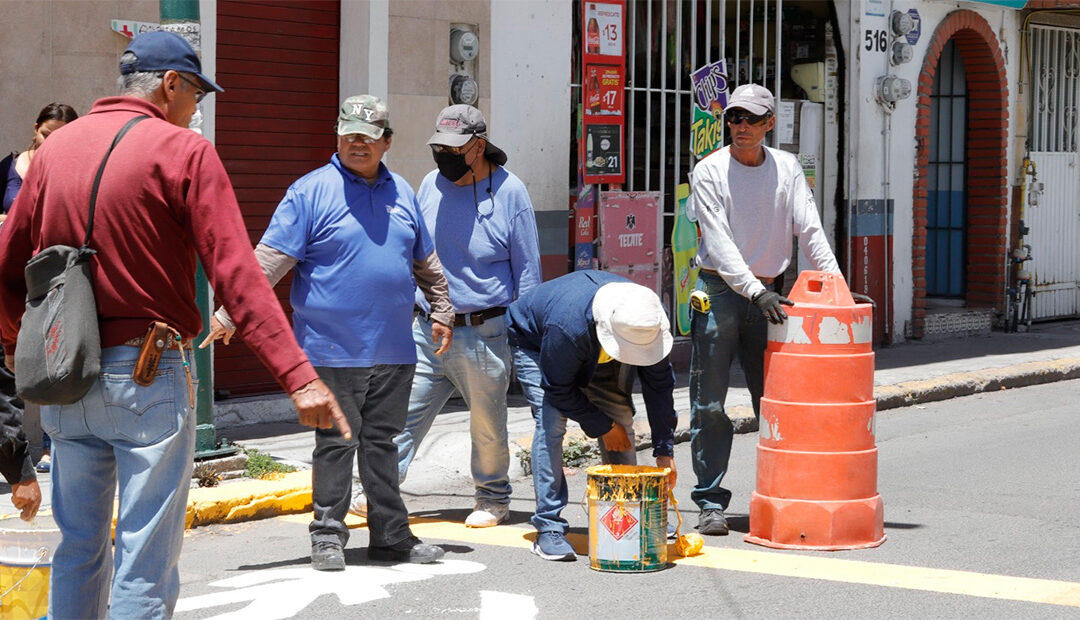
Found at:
<point>906,374</point>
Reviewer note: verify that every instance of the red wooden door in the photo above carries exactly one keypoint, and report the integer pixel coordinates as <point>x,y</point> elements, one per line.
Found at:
<point>278,64</point>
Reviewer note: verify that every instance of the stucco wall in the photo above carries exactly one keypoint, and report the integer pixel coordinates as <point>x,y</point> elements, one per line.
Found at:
<point>523,71</point>
<point>418,75</point>
<point>58,51</point>
<point>530,95</point>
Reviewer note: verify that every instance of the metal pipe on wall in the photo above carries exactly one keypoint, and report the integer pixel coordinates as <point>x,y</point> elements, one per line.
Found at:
<point>648,90</point>
<point>738,43</point>
<point>776,72</point>
<point>661,150</point>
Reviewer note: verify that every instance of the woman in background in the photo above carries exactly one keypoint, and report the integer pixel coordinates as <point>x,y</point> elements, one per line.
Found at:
<point>12,170</point>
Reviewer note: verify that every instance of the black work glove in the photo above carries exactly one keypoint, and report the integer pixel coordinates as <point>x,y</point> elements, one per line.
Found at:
<point>769,304</point>
<point>863,299</point>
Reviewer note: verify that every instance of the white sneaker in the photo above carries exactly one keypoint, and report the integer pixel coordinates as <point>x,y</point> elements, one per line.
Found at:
<point>488,514</point>
<point>358,505</point>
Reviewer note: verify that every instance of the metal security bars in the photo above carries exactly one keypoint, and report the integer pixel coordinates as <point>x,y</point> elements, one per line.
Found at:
<point>1055,54</point>
<point>946,245</point>
<point>1050,211</point>
<point>666,41</point>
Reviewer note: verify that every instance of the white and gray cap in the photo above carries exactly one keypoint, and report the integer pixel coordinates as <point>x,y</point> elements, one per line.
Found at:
<point>752,98</point>
<point>457,124</point>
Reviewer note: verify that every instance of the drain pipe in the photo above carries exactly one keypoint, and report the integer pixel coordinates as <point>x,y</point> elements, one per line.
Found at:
<point>886,190</point>
<point>852,87</point>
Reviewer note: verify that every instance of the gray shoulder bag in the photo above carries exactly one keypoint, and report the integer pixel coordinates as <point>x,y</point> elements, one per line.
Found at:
<point>58,351</point>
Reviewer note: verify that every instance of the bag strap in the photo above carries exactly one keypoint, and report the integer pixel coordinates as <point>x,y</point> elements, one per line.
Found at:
<point>101,169</point>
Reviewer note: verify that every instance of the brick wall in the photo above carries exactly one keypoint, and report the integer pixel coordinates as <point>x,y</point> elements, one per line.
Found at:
<point>987,182</point>
<point>1051,4</point>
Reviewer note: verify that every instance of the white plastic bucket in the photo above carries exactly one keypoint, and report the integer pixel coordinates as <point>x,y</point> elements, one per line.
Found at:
<point>26,552</point>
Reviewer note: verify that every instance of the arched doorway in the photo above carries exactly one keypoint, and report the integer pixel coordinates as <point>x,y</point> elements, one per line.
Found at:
<point>970,207</point>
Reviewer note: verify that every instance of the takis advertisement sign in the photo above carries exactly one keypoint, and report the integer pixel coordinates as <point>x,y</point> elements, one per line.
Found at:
<point>710,87</point>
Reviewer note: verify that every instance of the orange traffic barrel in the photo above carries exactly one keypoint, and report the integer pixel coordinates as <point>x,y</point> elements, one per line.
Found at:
<point>816,458</point>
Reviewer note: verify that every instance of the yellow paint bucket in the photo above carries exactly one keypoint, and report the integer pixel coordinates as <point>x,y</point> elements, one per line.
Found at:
<point>627,518</point>
<point>26,551</point>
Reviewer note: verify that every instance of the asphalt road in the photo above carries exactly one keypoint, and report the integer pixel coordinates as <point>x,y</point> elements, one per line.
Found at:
<point>981,495</point>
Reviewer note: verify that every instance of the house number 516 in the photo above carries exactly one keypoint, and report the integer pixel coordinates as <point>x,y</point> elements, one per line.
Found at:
<point>876,41</point>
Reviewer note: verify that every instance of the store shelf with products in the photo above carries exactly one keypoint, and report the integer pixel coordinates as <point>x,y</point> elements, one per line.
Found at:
<point>802,36</point>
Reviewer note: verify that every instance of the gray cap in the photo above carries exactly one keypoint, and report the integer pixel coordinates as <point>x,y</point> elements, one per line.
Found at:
<point>752,98</point>
<point>457,124</point>
<point>363,114</point>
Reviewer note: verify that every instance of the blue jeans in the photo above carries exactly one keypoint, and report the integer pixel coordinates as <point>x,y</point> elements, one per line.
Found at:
<point>478,365</point>
<point>609,390</point>
<point>733,327</point>
<point>142,439</point>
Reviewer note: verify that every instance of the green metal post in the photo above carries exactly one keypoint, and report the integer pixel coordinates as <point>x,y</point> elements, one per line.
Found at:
<point>175,13</point>
<point>179,11</point>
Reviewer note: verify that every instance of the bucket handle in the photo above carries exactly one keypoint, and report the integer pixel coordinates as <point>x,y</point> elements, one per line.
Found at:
<point>675,507</point>
<point>38,557</point>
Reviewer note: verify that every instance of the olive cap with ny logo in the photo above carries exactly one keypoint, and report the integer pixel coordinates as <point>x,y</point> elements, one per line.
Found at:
<point>363,114</point>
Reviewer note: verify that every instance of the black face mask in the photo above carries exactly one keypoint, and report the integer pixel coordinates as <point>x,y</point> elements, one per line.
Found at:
<point>451,166</point>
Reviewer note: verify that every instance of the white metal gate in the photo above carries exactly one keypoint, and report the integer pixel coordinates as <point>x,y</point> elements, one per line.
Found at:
<point>1055,219</point>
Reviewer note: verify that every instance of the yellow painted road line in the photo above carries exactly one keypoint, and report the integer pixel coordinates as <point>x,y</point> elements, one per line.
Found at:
<point>787,565</point>
<point>891,575</point>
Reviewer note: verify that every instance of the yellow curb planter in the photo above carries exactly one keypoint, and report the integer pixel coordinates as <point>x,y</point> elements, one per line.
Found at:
<point>251,499</point>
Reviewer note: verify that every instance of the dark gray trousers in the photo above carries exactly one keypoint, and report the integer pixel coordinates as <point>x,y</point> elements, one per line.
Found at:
<point>376,402</point>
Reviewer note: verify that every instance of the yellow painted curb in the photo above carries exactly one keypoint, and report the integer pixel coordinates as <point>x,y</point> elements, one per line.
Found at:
<point>250,499</point>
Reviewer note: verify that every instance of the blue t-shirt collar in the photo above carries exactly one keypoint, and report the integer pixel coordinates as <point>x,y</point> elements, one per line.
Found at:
<point>380,178</point>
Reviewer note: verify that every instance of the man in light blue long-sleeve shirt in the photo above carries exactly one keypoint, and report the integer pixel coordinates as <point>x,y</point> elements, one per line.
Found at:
<point>484,229</point>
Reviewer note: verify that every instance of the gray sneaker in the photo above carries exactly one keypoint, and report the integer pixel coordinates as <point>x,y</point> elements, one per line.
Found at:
<point>553,546</point>
<point>712,521</point>
<point>327,555</point>
<point>410,550</point>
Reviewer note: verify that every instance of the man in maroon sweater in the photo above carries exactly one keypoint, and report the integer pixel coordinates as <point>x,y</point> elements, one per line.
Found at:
<point>164,199</point>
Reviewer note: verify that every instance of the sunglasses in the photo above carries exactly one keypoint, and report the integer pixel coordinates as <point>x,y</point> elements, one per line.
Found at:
<point>456,150</point>
<point>199,92</point>
<point>736,117</point>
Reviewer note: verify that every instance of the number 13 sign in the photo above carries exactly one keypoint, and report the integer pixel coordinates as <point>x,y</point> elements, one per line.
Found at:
<point>603,28</point>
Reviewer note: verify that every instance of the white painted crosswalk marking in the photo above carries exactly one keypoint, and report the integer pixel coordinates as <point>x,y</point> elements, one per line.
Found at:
<point>506,606</point>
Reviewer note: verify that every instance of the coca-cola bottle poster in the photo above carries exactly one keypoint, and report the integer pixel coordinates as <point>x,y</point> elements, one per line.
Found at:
<point>603,89</point>
<point>603,28</point>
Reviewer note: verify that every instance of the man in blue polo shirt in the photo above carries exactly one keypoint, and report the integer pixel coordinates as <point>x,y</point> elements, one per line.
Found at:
<point>578,341</point>
<point>353,231</point>
<point>482,221</point>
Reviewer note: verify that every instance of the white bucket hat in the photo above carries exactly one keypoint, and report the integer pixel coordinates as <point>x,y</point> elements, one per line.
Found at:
<point>631,323</point>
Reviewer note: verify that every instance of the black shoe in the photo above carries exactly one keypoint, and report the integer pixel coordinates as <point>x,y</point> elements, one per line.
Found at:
<point>327,555</point>
<point>712,521</point>
<point>409,550</point>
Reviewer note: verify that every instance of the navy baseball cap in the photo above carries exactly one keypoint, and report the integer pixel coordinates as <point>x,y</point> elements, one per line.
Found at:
<point>165,51</point>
